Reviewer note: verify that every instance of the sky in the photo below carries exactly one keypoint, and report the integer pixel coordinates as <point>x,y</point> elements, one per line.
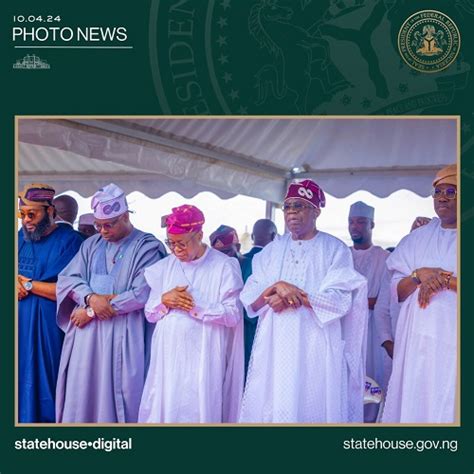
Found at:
<point>393,214</point>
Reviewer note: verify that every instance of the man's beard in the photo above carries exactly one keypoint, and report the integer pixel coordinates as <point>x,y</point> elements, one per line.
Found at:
<point>42,226</point>
<point>358,240</point>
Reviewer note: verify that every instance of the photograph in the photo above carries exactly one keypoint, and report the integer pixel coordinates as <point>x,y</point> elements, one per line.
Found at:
<point>237,233</point>
<point>153,309</point>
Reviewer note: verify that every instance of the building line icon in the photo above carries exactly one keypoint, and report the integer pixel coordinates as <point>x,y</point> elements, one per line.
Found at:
<point>31,61</point>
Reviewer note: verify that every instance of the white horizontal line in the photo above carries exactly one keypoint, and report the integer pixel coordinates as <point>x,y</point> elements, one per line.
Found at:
<point>75,47</point>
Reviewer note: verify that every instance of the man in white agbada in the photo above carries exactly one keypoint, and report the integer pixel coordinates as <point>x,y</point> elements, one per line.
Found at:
<point>197,356</point>
<point>386,312</point>
<point>422,388</point>
<point>308,362</point>
<point>369,260</point>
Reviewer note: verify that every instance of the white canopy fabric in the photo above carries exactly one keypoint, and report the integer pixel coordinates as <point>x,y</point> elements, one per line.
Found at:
<point>229,156</point>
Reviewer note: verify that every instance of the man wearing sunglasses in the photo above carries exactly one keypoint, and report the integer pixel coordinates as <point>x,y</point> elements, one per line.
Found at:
<point>44,249</point>
<point>307,363</point>
<point>422,387</point>
<point>101,295</point>
<point>197,355</point>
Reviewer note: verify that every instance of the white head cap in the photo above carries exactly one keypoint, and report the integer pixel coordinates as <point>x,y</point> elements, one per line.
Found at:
<point>109,202</point>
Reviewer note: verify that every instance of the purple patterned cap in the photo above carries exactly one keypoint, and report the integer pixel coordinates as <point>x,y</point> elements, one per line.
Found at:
<point>36,194</point>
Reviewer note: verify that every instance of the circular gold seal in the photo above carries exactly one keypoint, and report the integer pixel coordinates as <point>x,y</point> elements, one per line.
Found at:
<point>429,41</point>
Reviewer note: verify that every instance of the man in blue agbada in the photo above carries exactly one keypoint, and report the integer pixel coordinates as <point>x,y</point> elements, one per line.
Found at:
<point>44,249</point>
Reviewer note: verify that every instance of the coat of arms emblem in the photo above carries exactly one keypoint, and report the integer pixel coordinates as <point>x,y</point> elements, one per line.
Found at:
<point>429,41</point>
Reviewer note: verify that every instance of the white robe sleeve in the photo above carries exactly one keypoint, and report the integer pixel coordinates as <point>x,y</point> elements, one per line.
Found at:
<point>154,309</point>
<point>402,260</point>
<point>334,297</point>
<point>382,317</point>
<point>228,311</point>
<point>330,305</point>
<point>256,283</point>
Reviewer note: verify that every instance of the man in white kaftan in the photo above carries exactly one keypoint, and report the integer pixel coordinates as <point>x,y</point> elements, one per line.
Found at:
<point>422,387</point>
<point>386,312</point>
<point>197,355</point>
<point>369,260</point>
<point>307,363</point>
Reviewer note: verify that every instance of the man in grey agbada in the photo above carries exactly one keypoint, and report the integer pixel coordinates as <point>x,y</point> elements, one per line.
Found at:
<point>101,295</point>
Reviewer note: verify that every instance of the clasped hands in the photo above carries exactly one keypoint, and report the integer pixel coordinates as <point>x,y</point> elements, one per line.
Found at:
<point>432,281</point>
<point>178,298</point>
<point>283,295</point>
<point>102,308</point>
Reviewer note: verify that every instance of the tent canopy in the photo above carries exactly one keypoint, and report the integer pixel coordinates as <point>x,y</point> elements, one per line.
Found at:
<point>229,156</point>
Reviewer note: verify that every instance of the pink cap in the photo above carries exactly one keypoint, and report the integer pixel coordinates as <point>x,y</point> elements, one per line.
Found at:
<point>307,190</point>
<point>184,219</point>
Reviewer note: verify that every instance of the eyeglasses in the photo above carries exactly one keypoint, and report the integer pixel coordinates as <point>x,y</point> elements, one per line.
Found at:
<point>180,244</point>
<point>449,193</point>
<point>107,225</point>
<point>31,214</point>
<point>296,206</point>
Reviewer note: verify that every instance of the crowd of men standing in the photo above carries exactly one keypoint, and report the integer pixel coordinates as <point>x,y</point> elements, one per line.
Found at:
<point>302,329</point>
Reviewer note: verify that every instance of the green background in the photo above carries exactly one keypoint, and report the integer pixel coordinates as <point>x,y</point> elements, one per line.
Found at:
<point>145,81</point>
